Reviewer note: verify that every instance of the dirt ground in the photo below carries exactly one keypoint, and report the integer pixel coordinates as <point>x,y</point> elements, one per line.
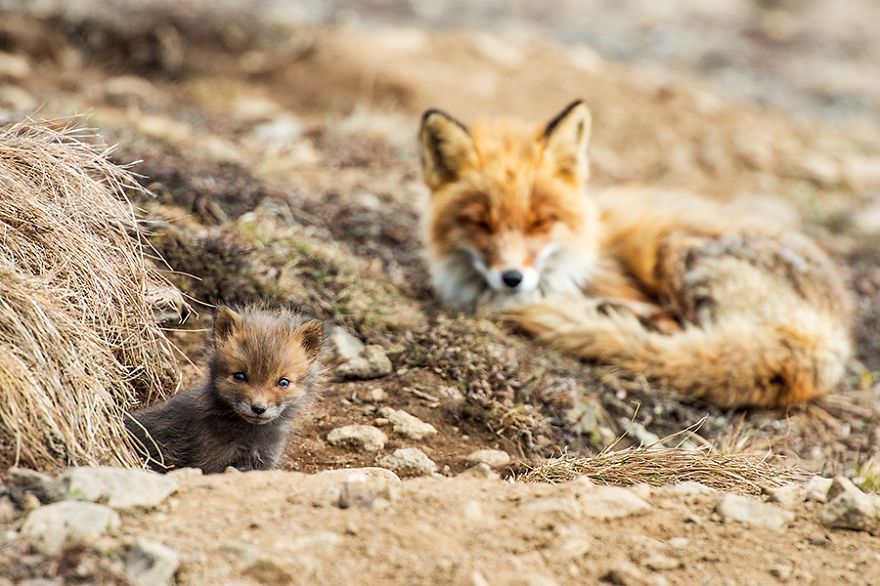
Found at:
<point>283,161</point>
<point>457,531</point>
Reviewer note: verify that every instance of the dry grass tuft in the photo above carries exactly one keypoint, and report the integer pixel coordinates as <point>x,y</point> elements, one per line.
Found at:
<point>79,343</point>
<point>736,471</point>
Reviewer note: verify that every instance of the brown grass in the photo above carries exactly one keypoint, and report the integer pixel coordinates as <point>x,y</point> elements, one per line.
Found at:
<point>735,470</point>
<point>738,472</point>
<point>79,343</point>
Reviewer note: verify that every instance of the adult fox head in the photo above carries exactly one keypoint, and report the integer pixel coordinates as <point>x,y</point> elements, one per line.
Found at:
<point>508,219</point>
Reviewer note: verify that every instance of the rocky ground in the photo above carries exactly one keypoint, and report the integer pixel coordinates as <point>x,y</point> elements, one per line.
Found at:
<point>366,526</point>
<point>283,162</point>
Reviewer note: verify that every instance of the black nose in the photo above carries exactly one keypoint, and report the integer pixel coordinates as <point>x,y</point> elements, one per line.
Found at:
<point>512,278</point>
<point>258,409</point>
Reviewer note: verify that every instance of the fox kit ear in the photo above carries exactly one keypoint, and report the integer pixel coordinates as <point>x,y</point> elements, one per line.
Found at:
<point>226,322</point>
<point>567,137</point>
<point>446,148</point>
<point>311,337</point>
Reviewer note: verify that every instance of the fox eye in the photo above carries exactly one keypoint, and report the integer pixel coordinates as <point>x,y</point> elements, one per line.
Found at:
<point>239,376</point>
<point>544,222</point>
<point>481,225</point>
<point>283,383</point>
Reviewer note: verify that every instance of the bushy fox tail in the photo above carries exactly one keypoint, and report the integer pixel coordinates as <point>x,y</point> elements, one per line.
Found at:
<point>732,362</point>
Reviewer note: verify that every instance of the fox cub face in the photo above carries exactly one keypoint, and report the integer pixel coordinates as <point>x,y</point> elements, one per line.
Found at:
<point>263,362</point>
<point>508,220</point>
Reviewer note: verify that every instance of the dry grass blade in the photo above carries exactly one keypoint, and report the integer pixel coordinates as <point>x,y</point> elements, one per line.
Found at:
<point>78,335</point>
<point>738,472</point>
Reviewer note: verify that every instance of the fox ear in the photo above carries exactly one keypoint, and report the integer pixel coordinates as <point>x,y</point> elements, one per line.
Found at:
<point>311,337</point>
<point>567,138</point>
<point>226,322</point>
<point>446,147</point>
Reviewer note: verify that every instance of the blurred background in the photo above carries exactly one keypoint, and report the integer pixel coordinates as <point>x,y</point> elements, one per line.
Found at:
<point>810,57</point>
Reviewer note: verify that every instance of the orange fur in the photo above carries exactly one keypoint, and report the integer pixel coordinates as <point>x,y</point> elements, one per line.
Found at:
<point>704,297</point>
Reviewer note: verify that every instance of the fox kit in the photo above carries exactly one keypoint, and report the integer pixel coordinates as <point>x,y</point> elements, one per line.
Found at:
<point>263,369</point>
<point>717,304</point>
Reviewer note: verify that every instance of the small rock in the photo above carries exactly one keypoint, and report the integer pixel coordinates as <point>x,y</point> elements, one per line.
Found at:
<point>254,109</point>
<point>850,508</point>
<point>862,173</point>
<point>345,346</point>
<point>472,510</point>
<point>52,524</point>
<point>364,437</point>
<point>372,364</point>
<point>638,431</point>
<point>573,548</point>
<point>816,489</point>
<point>231,470</point>
<point>267,571</point>
<point>370,472</point>
<point>150,563</point>
<point>626,573</point>
<point>817,168</point>
<point>280,132</point>
<point>582,417</point>
<point>128,90</point>
<point>819,540</point>
<point>376,395</point>
<point>642,490</point>
<point>480,470</point>
<point>450,394</point>
<point>660,562</point>
<point>411,460</point>
<point>120,488</point>
<point>361,490</point>
<point>492,458</point>
<point>546,511</point>
<point>14,67</point>
<point>7,510</point>
<point>612,502</point>
<point>580,483</point>
<point>868,221</point>
<point>734,507</point>
<point>788,495</point>
<point>406,424</point>
<point>782,571</point>
<point>184,473</point>
<point>678,542</point>
<point>43,486</point>
<point>164,128</point>
<point>29,502</point>
<point>356,493</point>
<point>688,488</point>
<point>16,98</point>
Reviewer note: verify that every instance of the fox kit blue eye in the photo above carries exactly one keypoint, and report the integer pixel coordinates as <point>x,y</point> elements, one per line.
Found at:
<point>283,382</point>
<point>239,376</point>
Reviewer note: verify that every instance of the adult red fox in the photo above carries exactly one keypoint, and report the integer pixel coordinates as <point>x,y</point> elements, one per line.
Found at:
<point>718,304</point>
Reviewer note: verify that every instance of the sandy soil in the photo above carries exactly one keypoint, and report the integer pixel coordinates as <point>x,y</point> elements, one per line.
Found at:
<point>459,531</point>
